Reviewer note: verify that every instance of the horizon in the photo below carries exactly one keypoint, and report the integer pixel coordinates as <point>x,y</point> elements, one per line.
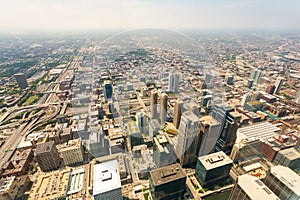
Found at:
<point>103,15</point>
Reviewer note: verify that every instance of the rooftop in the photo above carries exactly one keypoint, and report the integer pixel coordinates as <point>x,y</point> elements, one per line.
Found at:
<point>71,144</point>
<point>44,147</point>
<point>262,131</point>
<point>106,177</point>
<point>167,174</point>
<point>255,189</point>
<point>288,177</point>
<point>215,160</point>
<point>290,153</point>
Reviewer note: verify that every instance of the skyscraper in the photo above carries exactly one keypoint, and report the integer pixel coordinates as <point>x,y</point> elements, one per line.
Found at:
<point>47,156</point>
<point>21,80</point>
<point>173,83</point>
<point>229,124</point>
<point>210,130</point>
<point>248,187</point>
<point>108,90</point>
<point>297,100</point>
<point>163,108</point>
<point>278,84</point>
<point>106,181</point>
<point>270,89</point>
<point>177,113</point>
<point>284,182</point>
<point>246,98</point>
<point>163,151</point>
<point>256,75</point>
<point>188,139</point>
<point>167,182</point>
<point>153,104</point>
<point>141,121</point>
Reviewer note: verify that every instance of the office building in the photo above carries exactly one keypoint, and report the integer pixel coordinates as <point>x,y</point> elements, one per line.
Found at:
<point>177,113</point>
<point>297,100</point>
<point>210,130</point>
<point>167,182</point>
<point>173,83</point>
<point>246,98</point>
<point>154,127</point>
<point>229,120</point>
<point>163,151</point>
<point>297,146</point>
<point>250,83</point>
<point>50,185</point>
<point>108,90</point>
<point>153,104</point>
<point>229,80</point>
<point>106,182</point>
<point>188,139</point>
<point>270,89</point>
<point>47,156</point>
<point>284,182</point>
<point>256,75</point>
<point>289,157</point>
<point>141,121</point>
<point>163,108</point>
<point>213,168</point>
<point>278,85</point>
<point>248,187</point>
<point>21,80</point>
<point>8,188</point>
<point>71,152</point>
<point>262,131</point>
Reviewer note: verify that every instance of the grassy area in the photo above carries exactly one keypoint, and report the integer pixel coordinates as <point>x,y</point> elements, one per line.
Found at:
<point>31,100</point>
<point>146,195</point>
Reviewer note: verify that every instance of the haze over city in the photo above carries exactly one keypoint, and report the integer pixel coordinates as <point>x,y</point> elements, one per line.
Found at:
<point>131,14</point>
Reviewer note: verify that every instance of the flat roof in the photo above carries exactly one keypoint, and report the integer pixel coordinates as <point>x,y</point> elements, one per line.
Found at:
<point>262,131</point>
<point>106,177</point>
<point>215,160</point>
<point>44,147</point>
<point>76,181</point>
<point>255,188</point>
<point>290,153</point>
<point>167,174</point>
<point>288,177</point>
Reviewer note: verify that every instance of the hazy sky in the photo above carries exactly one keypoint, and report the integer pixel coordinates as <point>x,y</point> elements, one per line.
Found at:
<point>124,14</point>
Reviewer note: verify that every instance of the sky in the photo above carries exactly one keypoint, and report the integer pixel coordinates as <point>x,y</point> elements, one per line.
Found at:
<point>132,14</point>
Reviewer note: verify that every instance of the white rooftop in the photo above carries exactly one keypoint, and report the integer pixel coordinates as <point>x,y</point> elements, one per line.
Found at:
<point>215,160</point>
<point>106,177</point>
<point>288,177</point>
<point>255,189</point>
<point>262,131</point>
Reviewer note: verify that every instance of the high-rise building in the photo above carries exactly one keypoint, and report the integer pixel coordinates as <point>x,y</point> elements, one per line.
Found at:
<point>289,157</point>
<point>154,127</point>
<point>297,100</point>
<point>229,124</point>
<point>210,130</point>
<point>108,90</point>
<point>47,156</point>
<point>256,75</point>
<point>270,89</point>
<point>188,139</point>
<point>21,80</point>
<point>163,108</point>
<point>297,146</point>
<point>106,183</point>
<point>229,80</point>
<point>278,84</point>
<point>284,182</point>
<point>248,187</point>
<point>213,168</point>
<point>177,113</point>
<point>246,98</point>
<point>173,83</point>
<point>153,104</point>
<point>163,151</point>
<point>141,121</point>
<point>250,83</point>
<point>8,188</point>
<point>71,152</point>
<point>167,182</point>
